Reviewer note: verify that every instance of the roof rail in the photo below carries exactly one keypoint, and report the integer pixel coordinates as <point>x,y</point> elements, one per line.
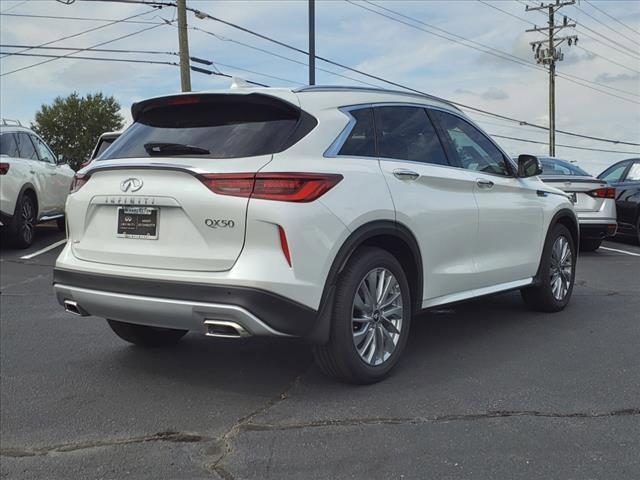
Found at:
<point>344,88</point>
<point>9,122</point>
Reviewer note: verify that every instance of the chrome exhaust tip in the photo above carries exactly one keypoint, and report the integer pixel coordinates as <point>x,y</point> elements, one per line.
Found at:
<point>71,306</point>
<point>224,329</point>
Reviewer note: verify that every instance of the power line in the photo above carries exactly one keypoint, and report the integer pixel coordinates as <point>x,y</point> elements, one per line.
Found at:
<point>559,145</point>
<point>489,50</point>
<point>578,46</point>
<point>73,53</point>
<point>149,62</point>
<point>204,15</point>
<point>14,6</point>
<point>81,49</point>
<point>611,17</point>
<point>277,55</point>
<point>92,29</point>
<point>86,19</point>
<point>627,51</point>
<point>604,24</point>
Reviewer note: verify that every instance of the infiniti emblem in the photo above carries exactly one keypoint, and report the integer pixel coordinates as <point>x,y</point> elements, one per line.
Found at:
<point>131,185</point>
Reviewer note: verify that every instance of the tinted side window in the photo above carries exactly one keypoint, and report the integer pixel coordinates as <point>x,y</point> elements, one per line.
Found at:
<point>406,133</point>
<point>473,150</point>
<point>361,141</point>
<point>43,151</point>
<point>27,150</point>
<point>8,145</point>
<point>613,174</point>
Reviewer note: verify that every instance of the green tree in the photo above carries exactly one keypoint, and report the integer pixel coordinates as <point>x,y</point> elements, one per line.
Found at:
<point>71,126</point>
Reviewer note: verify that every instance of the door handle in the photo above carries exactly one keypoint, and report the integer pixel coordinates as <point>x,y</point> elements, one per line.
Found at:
<point>402,174</point>
<point>32,171</point>
<point>482,183</point>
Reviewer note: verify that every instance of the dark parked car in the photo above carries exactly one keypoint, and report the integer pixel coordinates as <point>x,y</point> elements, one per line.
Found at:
<point>625,177</point>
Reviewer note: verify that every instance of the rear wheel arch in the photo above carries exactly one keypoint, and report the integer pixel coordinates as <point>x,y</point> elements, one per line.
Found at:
<point>388,235</point>
<point>29,189</point>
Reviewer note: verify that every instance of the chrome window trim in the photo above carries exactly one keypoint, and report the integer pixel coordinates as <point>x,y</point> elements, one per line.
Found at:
<point>336,145</point>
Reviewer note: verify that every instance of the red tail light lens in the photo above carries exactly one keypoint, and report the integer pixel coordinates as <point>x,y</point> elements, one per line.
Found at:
<point>285,187</point>
<point>605,192</point>
<point>234,184</point>
<point>79,180</point>
<point>4,168</point>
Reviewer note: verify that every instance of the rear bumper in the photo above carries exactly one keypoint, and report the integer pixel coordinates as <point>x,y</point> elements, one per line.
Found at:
<point>185,306</point>
<point>598,230</point>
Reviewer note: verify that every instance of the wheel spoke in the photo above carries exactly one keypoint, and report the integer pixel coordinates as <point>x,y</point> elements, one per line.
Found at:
<point>390,300</point>
<point>392,310</point>
<point>367,342</point>
<point>361,334</point>
<point>389,326</point>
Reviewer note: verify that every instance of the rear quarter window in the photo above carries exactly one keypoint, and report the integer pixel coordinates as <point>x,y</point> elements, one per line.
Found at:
<point>9,145</point>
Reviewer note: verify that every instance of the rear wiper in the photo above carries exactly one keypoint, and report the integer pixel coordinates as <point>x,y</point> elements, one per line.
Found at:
<point>160,148</point>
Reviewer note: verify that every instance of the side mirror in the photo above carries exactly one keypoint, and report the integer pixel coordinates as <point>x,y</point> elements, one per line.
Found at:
<point>529,166</point>
<point>60,160</point>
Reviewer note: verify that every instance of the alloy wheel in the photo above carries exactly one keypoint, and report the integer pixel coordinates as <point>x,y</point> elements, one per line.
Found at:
<point>27,224</point>
<point>376,318</point>
<point>561,268</point>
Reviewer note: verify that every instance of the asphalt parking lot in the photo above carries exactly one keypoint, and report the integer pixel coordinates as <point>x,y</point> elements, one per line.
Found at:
<point>486,389</point>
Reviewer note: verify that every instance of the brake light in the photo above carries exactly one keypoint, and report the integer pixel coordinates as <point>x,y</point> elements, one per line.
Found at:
<point>186,100</point>
<point>285,187</point>
<point>79,179</point>
<point>605,192</point>
<point>234,184</point>
<point>4,168</point>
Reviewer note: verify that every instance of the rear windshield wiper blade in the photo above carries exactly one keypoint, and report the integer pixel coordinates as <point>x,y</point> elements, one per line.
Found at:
<point>160,148</point>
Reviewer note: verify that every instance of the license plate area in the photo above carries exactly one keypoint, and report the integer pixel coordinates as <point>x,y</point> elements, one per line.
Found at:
<point>138,222</point>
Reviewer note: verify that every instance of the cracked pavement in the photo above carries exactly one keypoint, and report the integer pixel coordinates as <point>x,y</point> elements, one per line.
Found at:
<point>486,389</point>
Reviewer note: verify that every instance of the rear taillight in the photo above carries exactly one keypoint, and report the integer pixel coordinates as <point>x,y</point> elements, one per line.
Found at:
<point>4,168</point>
<point>605,192</point>
<point>79,180</point>
<point>285,187</point>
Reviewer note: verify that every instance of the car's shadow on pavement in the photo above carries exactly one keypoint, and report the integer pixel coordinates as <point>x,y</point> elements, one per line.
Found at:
<point>248,365</point>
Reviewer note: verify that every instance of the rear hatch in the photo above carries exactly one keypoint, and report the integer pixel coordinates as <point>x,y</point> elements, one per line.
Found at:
<point>173,190</point>
<point>587,193</point>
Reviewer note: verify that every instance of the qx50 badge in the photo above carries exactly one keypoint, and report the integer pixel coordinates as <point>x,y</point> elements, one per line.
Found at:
<point>219,223</point>
<point>131,185</point>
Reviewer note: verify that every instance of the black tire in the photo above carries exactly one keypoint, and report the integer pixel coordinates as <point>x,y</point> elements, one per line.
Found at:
<point>145,336</point>
<point>541,297</point>
<point>590,244</point>
<point>339,358</point>
<point>62,224</point>
<point>23,226</point>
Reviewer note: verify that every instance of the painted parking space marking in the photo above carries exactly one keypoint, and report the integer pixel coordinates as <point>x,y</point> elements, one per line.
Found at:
<point>620,251</point>
<point>46,249</point>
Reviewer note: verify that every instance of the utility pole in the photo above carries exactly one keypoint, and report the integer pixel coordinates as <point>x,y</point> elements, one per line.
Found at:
<point>183,45</point>
<point>312,42</point>
<point>547,52</point>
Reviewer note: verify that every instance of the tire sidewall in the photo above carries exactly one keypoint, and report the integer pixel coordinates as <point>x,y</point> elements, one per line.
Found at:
<point>342,329</point>
<point>557,231</point>
<point>18,223</point>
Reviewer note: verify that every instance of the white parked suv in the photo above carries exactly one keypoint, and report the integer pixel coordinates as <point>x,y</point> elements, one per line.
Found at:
<point>33,183</point>
<point>328,213</point>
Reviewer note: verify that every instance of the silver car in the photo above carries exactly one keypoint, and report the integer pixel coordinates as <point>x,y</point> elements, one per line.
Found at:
<point>594,200</point>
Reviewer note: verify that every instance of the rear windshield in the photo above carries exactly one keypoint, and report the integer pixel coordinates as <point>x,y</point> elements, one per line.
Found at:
<point>211,126</point>
<point>560,167</point>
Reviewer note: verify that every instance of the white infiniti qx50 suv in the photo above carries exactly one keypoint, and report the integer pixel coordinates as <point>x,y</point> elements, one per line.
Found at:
<point>329,213</point>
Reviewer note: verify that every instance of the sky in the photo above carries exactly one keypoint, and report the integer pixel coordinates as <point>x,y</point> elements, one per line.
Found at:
<point>608,52</point>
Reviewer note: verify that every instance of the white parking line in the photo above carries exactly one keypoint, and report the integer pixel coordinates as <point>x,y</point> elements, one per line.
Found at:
<point>620,251</point>
<point>44,250</point>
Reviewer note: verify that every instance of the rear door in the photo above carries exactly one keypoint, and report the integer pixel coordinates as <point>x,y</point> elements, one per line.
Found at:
<point>510,211</point>
<point>434,200</point>
<point>172,193</point>
<point>55,183</point>
<point>38,175</point>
